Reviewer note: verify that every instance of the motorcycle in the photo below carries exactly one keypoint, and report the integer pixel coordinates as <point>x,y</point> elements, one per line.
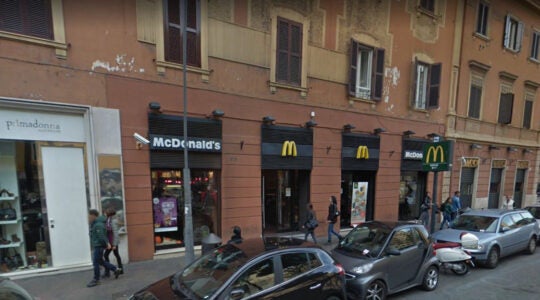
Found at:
<point>454,256</point>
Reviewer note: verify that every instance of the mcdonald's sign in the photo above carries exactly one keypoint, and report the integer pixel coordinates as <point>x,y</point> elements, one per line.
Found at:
<point>289,149</point>
<point>437,156</point>
<point>362,152</point>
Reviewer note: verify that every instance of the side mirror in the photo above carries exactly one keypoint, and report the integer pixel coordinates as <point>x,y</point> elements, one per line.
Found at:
<point>237,294</point>
<point>505,229</point>
<point>392,251</point>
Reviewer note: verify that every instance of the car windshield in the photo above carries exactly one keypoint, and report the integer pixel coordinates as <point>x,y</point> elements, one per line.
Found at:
<point>475,223</point>
<point>366,240</point>
<point>208,273</point>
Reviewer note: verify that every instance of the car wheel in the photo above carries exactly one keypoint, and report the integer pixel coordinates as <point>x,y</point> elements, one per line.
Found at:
<point>376,291</point>
<point>431,279</point>
<point>532,246</point>
<point>493,258</point>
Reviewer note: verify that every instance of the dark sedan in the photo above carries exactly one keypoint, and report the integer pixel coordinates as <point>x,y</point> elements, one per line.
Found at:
<point>269,268</point>
<point>383,258</point>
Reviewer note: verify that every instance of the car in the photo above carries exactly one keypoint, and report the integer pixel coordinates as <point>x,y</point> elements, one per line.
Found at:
<point>383,258</point>
<point>500,233</point>
<point>11,290</point>
<point>534,210</point>
<point>265,268</point>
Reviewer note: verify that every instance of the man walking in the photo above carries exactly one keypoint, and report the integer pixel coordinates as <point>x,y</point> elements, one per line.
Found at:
<point>424,210</point>
<point>99,242</point>
<point>456,205</point>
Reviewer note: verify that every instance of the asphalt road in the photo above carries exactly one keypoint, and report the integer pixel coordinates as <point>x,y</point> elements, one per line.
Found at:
<point>516,277</point>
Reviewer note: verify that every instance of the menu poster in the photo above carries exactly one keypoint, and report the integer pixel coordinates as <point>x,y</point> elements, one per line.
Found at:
<point>359,202</point>
<point>165,214</point>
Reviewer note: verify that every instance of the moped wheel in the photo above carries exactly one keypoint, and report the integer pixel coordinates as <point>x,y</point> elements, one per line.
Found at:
<point>461,268</point>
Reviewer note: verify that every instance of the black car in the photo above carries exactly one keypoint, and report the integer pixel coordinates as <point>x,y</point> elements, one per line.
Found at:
<point>268,268</point>
<point>382,258</point>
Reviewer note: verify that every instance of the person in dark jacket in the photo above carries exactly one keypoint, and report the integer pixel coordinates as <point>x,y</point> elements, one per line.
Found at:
<point>99,242</point>
<point>333,214</point>
<point>311,223</point>
<point>424,210</point>
<point>112,235</point>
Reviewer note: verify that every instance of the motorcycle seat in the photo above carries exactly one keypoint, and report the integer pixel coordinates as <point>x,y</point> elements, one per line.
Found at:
<point>446,245</point>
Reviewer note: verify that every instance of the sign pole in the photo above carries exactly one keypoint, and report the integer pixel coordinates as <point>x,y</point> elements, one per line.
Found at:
<point>434,202</point>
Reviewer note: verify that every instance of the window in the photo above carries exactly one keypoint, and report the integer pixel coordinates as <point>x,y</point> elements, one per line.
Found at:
<point>289,52</point>
<point>535,45</point>
<point>173,31</point>
<point>259,277</point>
<point>482,18</point>
<point>508,222</point>
<point>506,105</point>
<point>27,17</point>
<point>402,239</point>
<point>367,72</point>
<point>427,84</point>
<point>475,97</point>
<point>428,5</point>
<point>528,109</point>
<point>295,264</point>
<point>513,33</point>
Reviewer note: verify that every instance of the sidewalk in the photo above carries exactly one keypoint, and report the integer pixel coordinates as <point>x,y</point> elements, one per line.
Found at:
<point>137,275</point>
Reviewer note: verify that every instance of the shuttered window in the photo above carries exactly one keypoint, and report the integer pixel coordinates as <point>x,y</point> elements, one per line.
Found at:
<point>535,45</point>
<point>366,71</point>
<point>173,31</point>
<point>28,17</point>
<point>513,33</point>
<point>482,18</point>
<point>527,114</point>
<point>426,85</point>
<point>428,5</point>
<point>475,97</point>
<point>289,52</point>
<point>506,106</point>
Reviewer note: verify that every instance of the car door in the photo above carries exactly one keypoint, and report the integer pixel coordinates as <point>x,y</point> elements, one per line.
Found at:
<point>302,276</point>
<point>508,235</point>
<point>256,281</point>
<point>403,268</point>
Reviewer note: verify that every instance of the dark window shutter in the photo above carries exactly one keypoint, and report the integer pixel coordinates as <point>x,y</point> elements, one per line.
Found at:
<point>295,60</point>
<point>527,114</point>
<point>28,17</point>
<point>282,58</point>
<point>506,106</point>
<point>507,26</point>
<point>428,5</point>
<point>474,101</point>
<point>353,69</point>
<point>173,32</point>
<point>289,52</point>
<point>378,74</point>
<point>434,85</point>
<point>11,18</point>
<point>414,83</point>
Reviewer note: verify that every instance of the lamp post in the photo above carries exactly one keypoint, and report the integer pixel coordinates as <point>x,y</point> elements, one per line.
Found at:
<point>188,218</point>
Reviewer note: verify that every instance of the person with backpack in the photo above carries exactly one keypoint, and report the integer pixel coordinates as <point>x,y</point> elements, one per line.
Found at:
<point>333,214</point>
<point>446,209</point>
<point>311,223</point>
<point>99,242</point>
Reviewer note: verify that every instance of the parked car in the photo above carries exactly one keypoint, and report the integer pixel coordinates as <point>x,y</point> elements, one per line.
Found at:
<point>9,290</point>
<point>500,233</point>
<point>382,258</point>
<point>268,268</point>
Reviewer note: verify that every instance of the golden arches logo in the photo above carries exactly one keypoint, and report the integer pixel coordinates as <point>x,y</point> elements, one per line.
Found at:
<point>362,152</point>
<point>433,153</point>
<point>289,149</point>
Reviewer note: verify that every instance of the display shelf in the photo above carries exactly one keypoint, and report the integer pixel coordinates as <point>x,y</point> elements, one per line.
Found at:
<point>11,245</point>
<point>8,198</point>
<point>165,229</point>
<point>10,222</point>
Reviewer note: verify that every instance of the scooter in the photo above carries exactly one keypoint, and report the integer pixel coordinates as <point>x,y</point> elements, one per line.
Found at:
<point>454,257</point>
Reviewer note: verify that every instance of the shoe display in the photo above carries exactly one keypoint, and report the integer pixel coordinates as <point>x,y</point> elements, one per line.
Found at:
<point>92,283</point>
<point>15,238</point>
<point>3,241</point>
<point>4,192</point>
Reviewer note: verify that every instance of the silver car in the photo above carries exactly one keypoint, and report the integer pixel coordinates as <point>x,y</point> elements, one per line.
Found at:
<point>500,233</point>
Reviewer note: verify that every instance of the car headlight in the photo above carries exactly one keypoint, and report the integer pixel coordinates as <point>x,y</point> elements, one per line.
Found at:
<point>363,268</point>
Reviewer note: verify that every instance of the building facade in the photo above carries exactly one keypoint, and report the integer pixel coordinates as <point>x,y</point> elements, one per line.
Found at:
<point>290,102</point>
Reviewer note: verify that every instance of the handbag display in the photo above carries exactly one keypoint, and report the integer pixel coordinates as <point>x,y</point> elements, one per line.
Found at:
<point>7,213</point>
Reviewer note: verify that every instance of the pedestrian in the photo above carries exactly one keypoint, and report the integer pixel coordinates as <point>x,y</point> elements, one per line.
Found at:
<point>333,214</point>
<point>508,203</point>
<point>311,223</point>
<point>111,224</point>
<point>446,209</point>
<point>236,238</point>
<point>424,210</point>
<point>99,242</point>
<point>456,205</point>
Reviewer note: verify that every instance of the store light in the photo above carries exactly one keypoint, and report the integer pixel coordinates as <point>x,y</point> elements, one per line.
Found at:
<point>475,146</point>
<point>378,130</point>
<point>348,127</point>
<point>155,107</point>
<point>268,120</point>
<point>408,133</point>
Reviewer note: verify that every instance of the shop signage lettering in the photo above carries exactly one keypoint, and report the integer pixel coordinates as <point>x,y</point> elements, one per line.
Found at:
<point>289,149</point>
<point>523,164</point>
<point>498,164</point>
<point>413,155</point>
<point>163,142</point>
<point>35,124</point>
<point>362,152</point>
<point>471,162</point>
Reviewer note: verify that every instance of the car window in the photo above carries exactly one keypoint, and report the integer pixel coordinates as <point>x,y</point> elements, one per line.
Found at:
<point>476,223</point>
<point>295,264</point>
<point>527,217</point>
<point>366,240</point>
<point>508,221</point>
<point>402,239</point>
<point>257,278</point>
<point>416,237</point>
<point>518,220</point>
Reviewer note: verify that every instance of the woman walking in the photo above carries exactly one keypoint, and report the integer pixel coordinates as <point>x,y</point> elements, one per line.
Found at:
<point>333,214</point>
<point>311,223</point>
<point>446,209</point>
<point>111,225</point>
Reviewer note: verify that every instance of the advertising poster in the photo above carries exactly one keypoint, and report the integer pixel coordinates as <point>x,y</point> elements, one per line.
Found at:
<point>111,191</point>
<point>165,214</point>
<point>359,202</point>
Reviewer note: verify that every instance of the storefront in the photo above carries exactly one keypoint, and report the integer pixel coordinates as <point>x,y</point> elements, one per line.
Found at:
<point>50,167</point>
<point>413,179</point>
<point>287,154</point>
<point>496,182</point>
<point>359,165</point>
<point>167,161</point>
<point>467,182</point>
<point>520,182</point>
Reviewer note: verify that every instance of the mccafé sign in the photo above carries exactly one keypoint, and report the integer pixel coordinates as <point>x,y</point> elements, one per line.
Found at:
<point>437,156</point>
<point>164,142</point>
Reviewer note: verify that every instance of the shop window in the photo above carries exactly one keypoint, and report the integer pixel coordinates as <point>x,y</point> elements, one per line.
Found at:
<point>475,97</point>
<point>289,52</point>
<point>426,87</point>
<point>428,5</point>
<point>513,33</point>
<point>367,72</point>
<point>535,45</point>
<point>168,203</point>
<point>506,106</point>
<point>482,18</point>
<point>173,31</point>
<point>27,17</point>
<point>528,109</point>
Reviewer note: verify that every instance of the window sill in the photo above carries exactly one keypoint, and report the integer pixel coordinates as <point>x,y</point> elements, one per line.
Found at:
<point>60,48</point>
<point>513,51</point>
<point>481,36</point>
<point>353,99</point>
<point>534,60</point>
<point>275,85</point>
<point>422,11</point>
<point>163,65</point>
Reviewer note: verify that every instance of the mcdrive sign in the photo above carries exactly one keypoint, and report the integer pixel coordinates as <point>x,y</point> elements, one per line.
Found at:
<point>165,142</point>
<point>438,156</point>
